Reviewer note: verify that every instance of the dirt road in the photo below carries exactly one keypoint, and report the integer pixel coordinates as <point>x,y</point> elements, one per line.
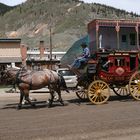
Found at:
<point>116,120</point>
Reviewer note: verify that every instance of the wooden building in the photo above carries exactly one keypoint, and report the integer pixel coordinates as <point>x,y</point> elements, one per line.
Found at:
<point>10,52</point>
<point>114,34</point>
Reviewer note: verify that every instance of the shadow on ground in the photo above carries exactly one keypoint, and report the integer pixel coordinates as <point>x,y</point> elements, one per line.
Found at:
<point>111,99</point>
<point>38,104</point>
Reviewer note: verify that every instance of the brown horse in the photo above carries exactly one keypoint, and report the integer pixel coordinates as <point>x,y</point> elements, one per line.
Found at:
<point>27,80</point>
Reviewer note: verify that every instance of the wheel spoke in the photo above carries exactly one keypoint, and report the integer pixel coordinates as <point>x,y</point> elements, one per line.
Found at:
<point>104,93</point>
<point>121,91</point>
<point>103,87</point>
<point>93,89</point>
<point>82,94</point>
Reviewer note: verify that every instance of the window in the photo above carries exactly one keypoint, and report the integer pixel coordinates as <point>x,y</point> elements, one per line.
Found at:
<point>132,39</point>
<point>66,73</point>
<point>132,62</point>
<point>119,62</point>
<point>124,38</point>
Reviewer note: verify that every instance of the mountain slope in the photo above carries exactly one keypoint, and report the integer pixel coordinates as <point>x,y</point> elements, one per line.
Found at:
<point>4,8</point>
<point>67,19</point>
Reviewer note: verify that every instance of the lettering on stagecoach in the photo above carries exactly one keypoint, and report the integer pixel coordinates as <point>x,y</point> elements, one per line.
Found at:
<point>119,78</point>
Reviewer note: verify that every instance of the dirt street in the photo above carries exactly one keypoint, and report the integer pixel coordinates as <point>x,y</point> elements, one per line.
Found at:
<point>115,120</point>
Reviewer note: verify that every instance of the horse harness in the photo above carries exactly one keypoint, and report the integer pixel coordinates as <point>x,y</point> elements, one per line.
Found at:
<point>21,74</point>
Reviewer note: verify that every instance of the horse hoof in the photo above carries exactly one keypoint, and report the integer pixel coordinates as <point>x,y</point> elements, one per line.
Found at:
<point>62,103</point>
<point>33,105</point>
<point>49,106</point>
<point>18,107</point>
<point>49,103</point>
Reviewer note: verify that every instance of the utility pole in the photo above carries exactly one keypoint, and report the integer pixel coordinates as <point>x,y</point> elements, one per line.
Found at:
<point>50,30</point>
<point>50,43</point>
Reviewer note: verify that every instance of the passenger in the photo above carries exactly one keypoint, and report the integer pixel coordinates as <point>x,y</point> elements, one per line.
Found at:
<point>82,58</point>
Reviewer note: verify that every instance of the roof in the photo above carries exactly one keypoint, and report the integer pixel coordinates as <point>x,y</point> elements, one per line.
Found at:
<point>10,40</point>
<point>10,59</point>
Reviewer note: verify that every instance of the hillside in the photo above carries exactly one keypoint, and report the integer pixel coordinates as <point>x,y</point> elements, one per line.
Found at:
<point>4,8</point>
<point>68,20</point>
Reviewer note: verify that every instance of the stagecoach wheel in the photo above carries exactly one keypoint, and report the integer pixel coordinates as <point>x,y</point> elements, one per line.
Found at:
<point>121,91</point>
<point>98,92</point>
<point>134,85</point>
<point>82,93</point>
<point>82,86</point>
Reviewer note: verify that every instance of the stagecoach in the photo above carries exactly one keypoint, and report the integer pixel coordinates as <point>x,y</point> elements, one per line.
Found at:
<point>110,70</point>
<point>114,63</point>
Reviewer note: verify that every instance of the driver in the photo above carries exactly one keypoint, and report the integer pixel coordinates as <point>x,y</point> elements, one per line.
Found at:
<point>82,58</point>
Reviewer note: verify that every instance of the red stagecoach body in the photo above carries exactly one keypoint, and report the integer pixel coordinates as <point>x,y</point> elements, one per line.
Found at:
<point>114,46</point>
<point>117,68</point>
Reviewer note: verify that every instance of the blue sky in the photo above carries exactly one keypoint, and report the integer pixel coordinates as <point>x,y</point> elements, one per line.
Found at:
<point>128,5</point>
<point>12,2</point>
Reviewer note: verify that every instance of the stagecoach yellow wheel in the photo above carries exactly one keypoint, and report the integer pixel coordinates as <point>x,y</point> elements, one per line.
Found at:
<point>98,92</point>
<point>134,85</point>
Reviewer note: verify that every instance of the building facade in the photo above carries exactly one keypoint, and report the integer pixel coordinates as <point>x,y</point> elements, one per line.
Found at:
<point>41,57</point>
<point>10,52</point>
<point>13,53</point>
<point>114,34</point>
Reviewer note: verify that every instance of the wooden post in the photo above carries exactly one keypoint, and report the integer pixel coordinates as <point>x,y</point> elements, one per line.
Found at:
<point>118,35</point>
<point>137,32</point>
<point>50,48</point>
<point>50,29</point>
<point>97,36</point>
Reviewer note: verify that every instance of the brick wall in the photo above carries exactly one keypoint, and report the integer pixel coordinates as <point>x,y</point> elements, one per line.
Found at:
<point>23,49</point>
<point>42,49</point>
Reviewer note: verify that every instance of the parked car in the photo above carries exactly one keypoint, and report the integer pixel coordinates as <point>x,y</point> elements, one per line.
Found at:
<point>69,76</point>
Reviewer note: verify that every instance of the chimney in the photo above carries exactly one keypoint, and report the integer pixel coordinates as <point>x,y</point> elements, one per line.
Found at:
<point>23,49</point>
<point>42,49</point>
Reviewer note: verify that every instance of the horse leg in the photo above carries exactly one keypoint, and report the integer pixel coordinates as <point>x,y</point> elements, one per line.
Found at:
<point>28,99</point>
<point>59,95</point>
<point>51,99</point>
<point>21,98</point>
<point>14,88</point>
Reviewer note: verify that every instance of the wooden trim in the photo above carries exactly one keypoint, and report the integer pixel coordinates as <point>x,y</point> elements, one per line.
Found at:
<point>137,32</point>
<point>97,36</point>
<point>118,35</point>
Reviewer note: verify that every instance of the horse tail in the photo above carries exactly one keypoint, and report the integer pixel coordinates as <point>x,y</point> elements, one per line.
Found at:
<point>63,83</point>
